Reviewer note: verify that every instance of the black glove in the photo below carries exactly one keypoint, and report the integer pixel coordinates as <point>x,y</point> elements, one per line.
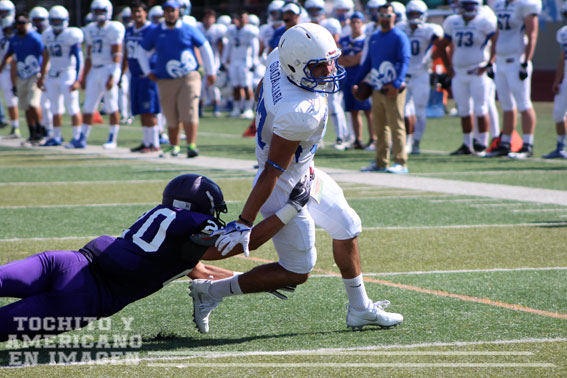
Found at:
<point>253,68</point>
<point>222,68</point>
<point>523,74</point>
<point>289,289</point>
<point>299,195</point>
<point>445,81</point>
<point>15,91</point>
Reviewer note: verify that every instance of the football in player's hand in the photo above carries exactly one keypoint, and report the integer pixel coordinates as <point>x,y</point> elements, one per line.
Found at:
<point>362,91</point>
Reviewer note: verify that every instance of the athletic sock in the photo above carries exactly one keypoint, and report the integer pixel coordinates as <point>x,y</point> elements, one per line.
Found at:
<point>225,288</point>
<point>483,138</point>
<point>356,292</point>
<point>57,133</point>
<point>528,139</point>
<point>467,139</point>
<point>76,132</point>
<point>561,139</point>
<point>86,130</point>
<point>506,138</point>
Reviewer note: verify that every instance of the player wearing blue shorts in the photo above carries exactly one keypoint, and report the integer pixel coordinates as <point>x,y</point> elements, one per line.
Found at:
<point>144,96</point>
<point>108,273</point>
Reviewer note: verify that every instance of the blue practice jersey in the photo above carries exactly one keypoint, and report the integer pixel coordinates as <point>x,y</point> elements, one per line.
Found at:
<point>133,40</point>
<point>351,46</point>
<point>29,53</point>
<point>163,245</point>
<point>275,41</point>
<point>174,49</point>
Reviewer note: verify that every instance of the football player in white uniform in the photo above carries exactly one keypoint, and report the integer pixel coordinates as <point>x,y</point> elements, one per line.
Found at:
<point>341,11</point>
<point>155,15</point>
<point>421,35</point>
<point>126,118</point>
<point>7,24</point>
<point>103,39</point>
<point>372,10</point>
<point>468,33</point>
<point>560,90</point>
<point>344,136</point>
<point>214,33</point>
<point>240,54</point>
<point>267,30</point>
<point>515,46</point>
<point>291,117</point>
<point>38,17</point>
<point>64,57</point>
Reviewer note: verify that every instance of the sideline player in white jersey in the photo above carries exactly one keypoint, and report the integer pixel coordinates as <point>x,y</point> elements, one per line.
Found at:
<point>124,106</point>
<point>7,25</point>
<point>103,39</point>
<point>291,116</point>
<point>185,12</point>
<point>214,33</point>
<point>372,10</point>
<point>421,35</point>
<point>275,21</point>
<point>516,40</point>
<point>467,34</point>
<point>240,54</point>
<point>342,10</point>
<point>559,88</point>
<point>344,136</point>
<point>64,57</point>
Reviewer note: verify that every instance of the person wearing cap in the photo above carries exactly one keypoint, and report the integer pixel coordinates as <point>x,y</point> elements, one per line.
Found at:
<point>175,72</point>
<point>351,46</point>
<point>27,48</point>
<point>290,16</point>
<point>387,60</point>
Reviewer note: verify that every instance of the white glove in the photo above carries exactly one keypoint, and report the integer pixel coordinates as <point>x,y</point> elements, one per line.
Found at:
<point>233,234</point>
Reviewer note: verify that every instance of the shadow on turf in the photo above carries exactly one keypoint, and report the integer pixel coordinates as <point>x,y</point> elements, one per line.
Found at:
<point>162,342</point>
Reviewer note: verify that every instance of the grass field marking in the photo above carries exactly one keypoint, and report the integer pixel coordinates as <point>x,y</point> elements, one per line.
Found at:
<point>489,173</point>
<point>441,293</point>
<point>355,353</point>
<point>19,183</point>
<point>538,210</point>
<point>349,365</point>
<point>526,269</point>
<point>465,200</point>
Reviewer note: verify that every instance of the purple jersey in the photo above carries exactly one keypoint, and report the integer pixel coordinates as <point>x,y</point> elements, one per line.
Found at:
<point>160,247</point>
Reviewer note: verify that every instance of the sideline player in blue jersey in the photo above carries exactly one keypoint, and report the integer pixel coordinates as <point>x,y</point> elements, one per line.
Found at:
<point>352,46</point>
<point>179,82</point>
<point>144,96</point>
<point>109,273</point>
<point>27,47</point>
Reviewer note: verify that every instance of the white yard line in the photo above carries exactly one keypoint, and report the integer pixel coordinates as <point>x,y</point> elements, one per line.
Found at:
<point>491,270</point>
<point>424,184</point>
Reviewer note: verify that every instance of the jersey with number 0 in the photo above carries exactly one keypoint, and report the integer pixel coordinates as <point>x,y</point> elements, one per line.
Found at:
<point>291,113</point>
<point>101,40</point>
<point>469,39</point>
<point>163,244</point>
<point>60,47</point>
<point>511,16</point>
<point>421,40</point>
<point>242,44</point>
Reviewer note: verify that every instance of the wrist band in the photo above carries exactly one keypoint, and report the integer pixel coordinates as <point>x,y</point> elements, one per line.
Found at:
<point>275,165</point>
<point>246,222</point>
<point>287,213</point>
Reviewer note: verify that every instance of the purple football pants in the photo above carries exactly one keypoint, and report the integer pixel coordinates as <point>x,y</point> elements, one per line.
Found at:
<point>54,286</point>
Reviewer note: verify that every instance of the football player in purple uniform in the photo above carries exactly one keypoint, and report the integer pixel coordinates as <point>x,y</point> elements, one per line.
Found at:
<point>108,273</point>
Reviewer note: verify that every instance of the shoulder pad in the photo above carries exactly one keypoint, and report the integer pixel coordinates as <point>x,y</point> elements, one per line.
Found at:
<point>75,35</point>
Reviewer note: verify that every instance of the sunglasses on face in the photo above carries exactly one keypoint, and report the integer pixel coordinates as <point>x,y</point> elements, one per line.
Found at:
<point>386,15</point>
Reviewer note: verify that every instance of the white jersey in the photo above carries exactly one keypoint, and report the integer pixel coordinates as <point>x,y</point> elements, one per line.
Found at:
<point>242,45</point>
<point>266,32</point>
<point>332,25</point>
<point>292,113</point>
<point>189,20</point>
<point>371,28</point>
<point>469,39</point>
<point>511,15</point>
<point>214,34</point>
<point>4,43</point>
<point>421,40</point>
<point>101,39</point>
<point>59,48</point>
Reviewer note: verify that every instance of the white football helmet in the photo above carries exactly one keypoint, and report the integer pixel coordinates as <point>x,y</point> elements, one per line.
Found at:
<point>339,8</point>
<point>416,12</point>
<point>372,9</point>
<point>253,20</point>
<point>7,9</point>
<point>125,15</point>
<point>306,44</point>
<point>469,8</point>
<point>156,14</point>
<point>224,20</point>
<point>399,10</point>
<point>275,10</point>
<point>58,17</point>
<point>7,25</point>
<point>99,5</point>
<point>184,7</point>
<point>38,17</point>
<point>315,9</point>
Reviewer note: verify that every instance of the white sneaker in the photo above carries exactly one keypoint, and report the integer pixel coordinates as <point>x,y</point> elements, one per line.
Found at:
<point>248,114</point>
<point>109,146</point>
<point>374,316</point>
<point>203,303</point>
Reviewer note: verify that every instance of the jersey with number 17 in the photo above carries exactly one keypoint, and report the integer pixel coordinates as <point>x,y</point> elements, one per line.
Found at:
<point>101,40</point>
<point>291,113</point>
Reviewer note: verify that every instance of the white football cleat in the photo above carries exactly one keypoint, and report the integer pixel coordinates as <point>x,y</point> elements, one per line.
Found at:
<point>247,114</point>
<point>203,303</point>
<point>374,316</point>
<point>109,146</point>
<point>235,112</point>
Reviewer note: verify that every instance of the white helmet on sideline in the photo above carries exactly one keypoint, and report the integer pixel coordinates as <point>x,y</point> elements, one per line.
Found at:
<point>58,17</point>
<point>99,5</point>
